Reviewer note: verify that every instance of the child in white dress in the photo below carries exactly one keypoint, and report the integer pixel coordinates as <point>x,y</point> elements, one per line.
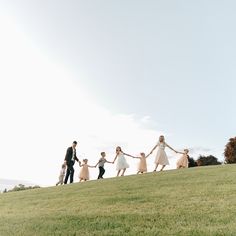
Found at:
<point>62,175</point>
<point>161,157</point>
<point>121,161</point>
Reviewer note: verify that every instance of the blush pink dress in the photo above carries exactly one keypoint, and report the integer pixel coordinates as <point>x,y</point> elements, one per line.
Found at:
<point>183,161</point>
<point>161,157</point>
<point>142,167</point>
<point>84,172</point>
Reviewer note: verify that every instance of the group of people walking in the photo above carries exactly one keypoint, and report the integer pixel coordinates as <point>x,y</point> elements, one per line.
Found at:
<point>67,170</point>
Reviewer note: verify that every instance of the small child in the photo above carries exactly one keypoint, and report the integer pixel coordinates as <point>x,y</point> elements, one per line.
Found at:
<point>101,163</point>
<point>142,167</point>
<point>62,174</point>
<point>183,161</point>
<point>84,172</point>
<point>121,164</point>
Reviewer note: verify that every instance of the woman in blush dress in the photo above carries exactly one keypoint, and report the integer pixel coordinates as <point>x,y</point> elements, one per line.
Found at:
<point>161,157</point>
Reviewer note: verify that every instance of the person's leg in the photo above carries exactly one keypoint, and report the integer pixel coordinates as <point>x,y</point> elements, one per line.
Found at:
<point>123,172</point>
<point>60,180</point>
<point>156,167</point>
<point>162,167</point>
<point>67,175</point>
<point>118,172</point>
<point>72,174</point>
<point>102,172</point>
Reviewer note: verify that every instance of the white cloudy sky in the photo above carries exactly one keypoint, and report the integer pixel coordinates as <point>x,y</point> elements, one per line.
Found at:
<point>110,73</point>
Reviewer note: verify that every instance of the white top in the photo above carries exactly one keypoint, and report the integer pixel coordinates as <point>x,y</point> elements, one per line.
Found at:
<point>161,145</point>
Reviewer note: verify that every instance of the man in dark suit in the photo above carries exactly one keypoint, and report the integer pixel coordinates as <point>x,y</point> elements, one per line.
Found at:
<point>70,159</point>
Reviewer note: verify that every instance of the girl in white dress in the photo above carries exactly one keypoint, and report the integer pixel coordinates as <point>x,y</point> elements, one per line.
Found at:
<point>121,161</point>
<point>161,157</point>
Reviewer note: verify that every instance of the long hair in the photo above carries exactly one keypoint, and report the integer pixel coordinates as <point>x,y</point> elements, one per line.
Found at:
<point>118,147</point>
<point>162,137</point>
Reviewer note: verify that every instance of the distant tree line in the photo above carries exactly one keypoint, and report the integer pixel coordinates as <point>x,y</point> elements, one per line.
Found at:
<point>204,161</point>
<point>229,154</point>
<point>20,187</point>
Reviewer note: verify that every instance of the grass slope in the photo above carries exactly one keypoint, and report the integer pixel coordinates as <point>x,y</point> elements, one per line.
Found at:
<point>195,201</point>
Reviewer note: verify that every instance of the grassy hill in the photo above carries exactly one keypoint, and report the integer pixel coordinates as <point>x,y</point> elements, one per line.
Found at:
<point>196,201</point>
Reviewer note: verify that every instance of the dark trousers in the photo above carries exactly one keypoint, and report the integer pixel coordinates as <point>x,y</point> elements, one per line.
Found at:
<point>69,172</point>
<point>101,172</point>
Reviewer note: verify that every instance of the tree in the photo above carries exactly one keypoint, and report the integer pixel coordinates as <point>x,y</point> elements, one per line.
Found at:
<point>21,187</point>
<point>207,160</point>
<point>191,162</point>
<point>230,151</point>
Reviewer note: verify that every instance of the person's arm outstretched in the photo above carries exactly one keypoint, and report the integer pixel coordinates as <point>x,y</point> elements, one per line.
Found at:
<point>109,161</point>
<point>91,166</point>
<point>180,152</point>
<point>148,155</point>
<point>127,155</point>
<point>97,163</point>
<point>115,159</point>
<point>76,158</point>
<point>154,149</point>
<point>171,148</point>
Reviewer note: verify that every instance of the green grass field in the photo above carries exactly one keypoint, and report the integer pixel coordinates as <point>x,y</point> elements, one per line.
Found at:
<point>195,201</point>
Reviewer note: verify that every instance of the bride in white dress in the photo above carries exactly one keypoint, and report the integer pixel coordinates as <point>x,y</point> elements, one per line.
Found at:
<point>161,157</point>
<point>121,161</point>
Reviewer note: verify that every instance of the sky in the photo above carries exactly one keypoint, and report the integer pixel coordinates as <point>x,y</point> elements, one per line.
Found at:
<point>108,73</point>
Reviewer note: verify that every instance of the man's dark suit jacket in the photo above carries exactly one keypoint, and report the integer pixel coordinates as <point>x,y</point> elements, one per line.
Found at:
<point>69,155</point>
